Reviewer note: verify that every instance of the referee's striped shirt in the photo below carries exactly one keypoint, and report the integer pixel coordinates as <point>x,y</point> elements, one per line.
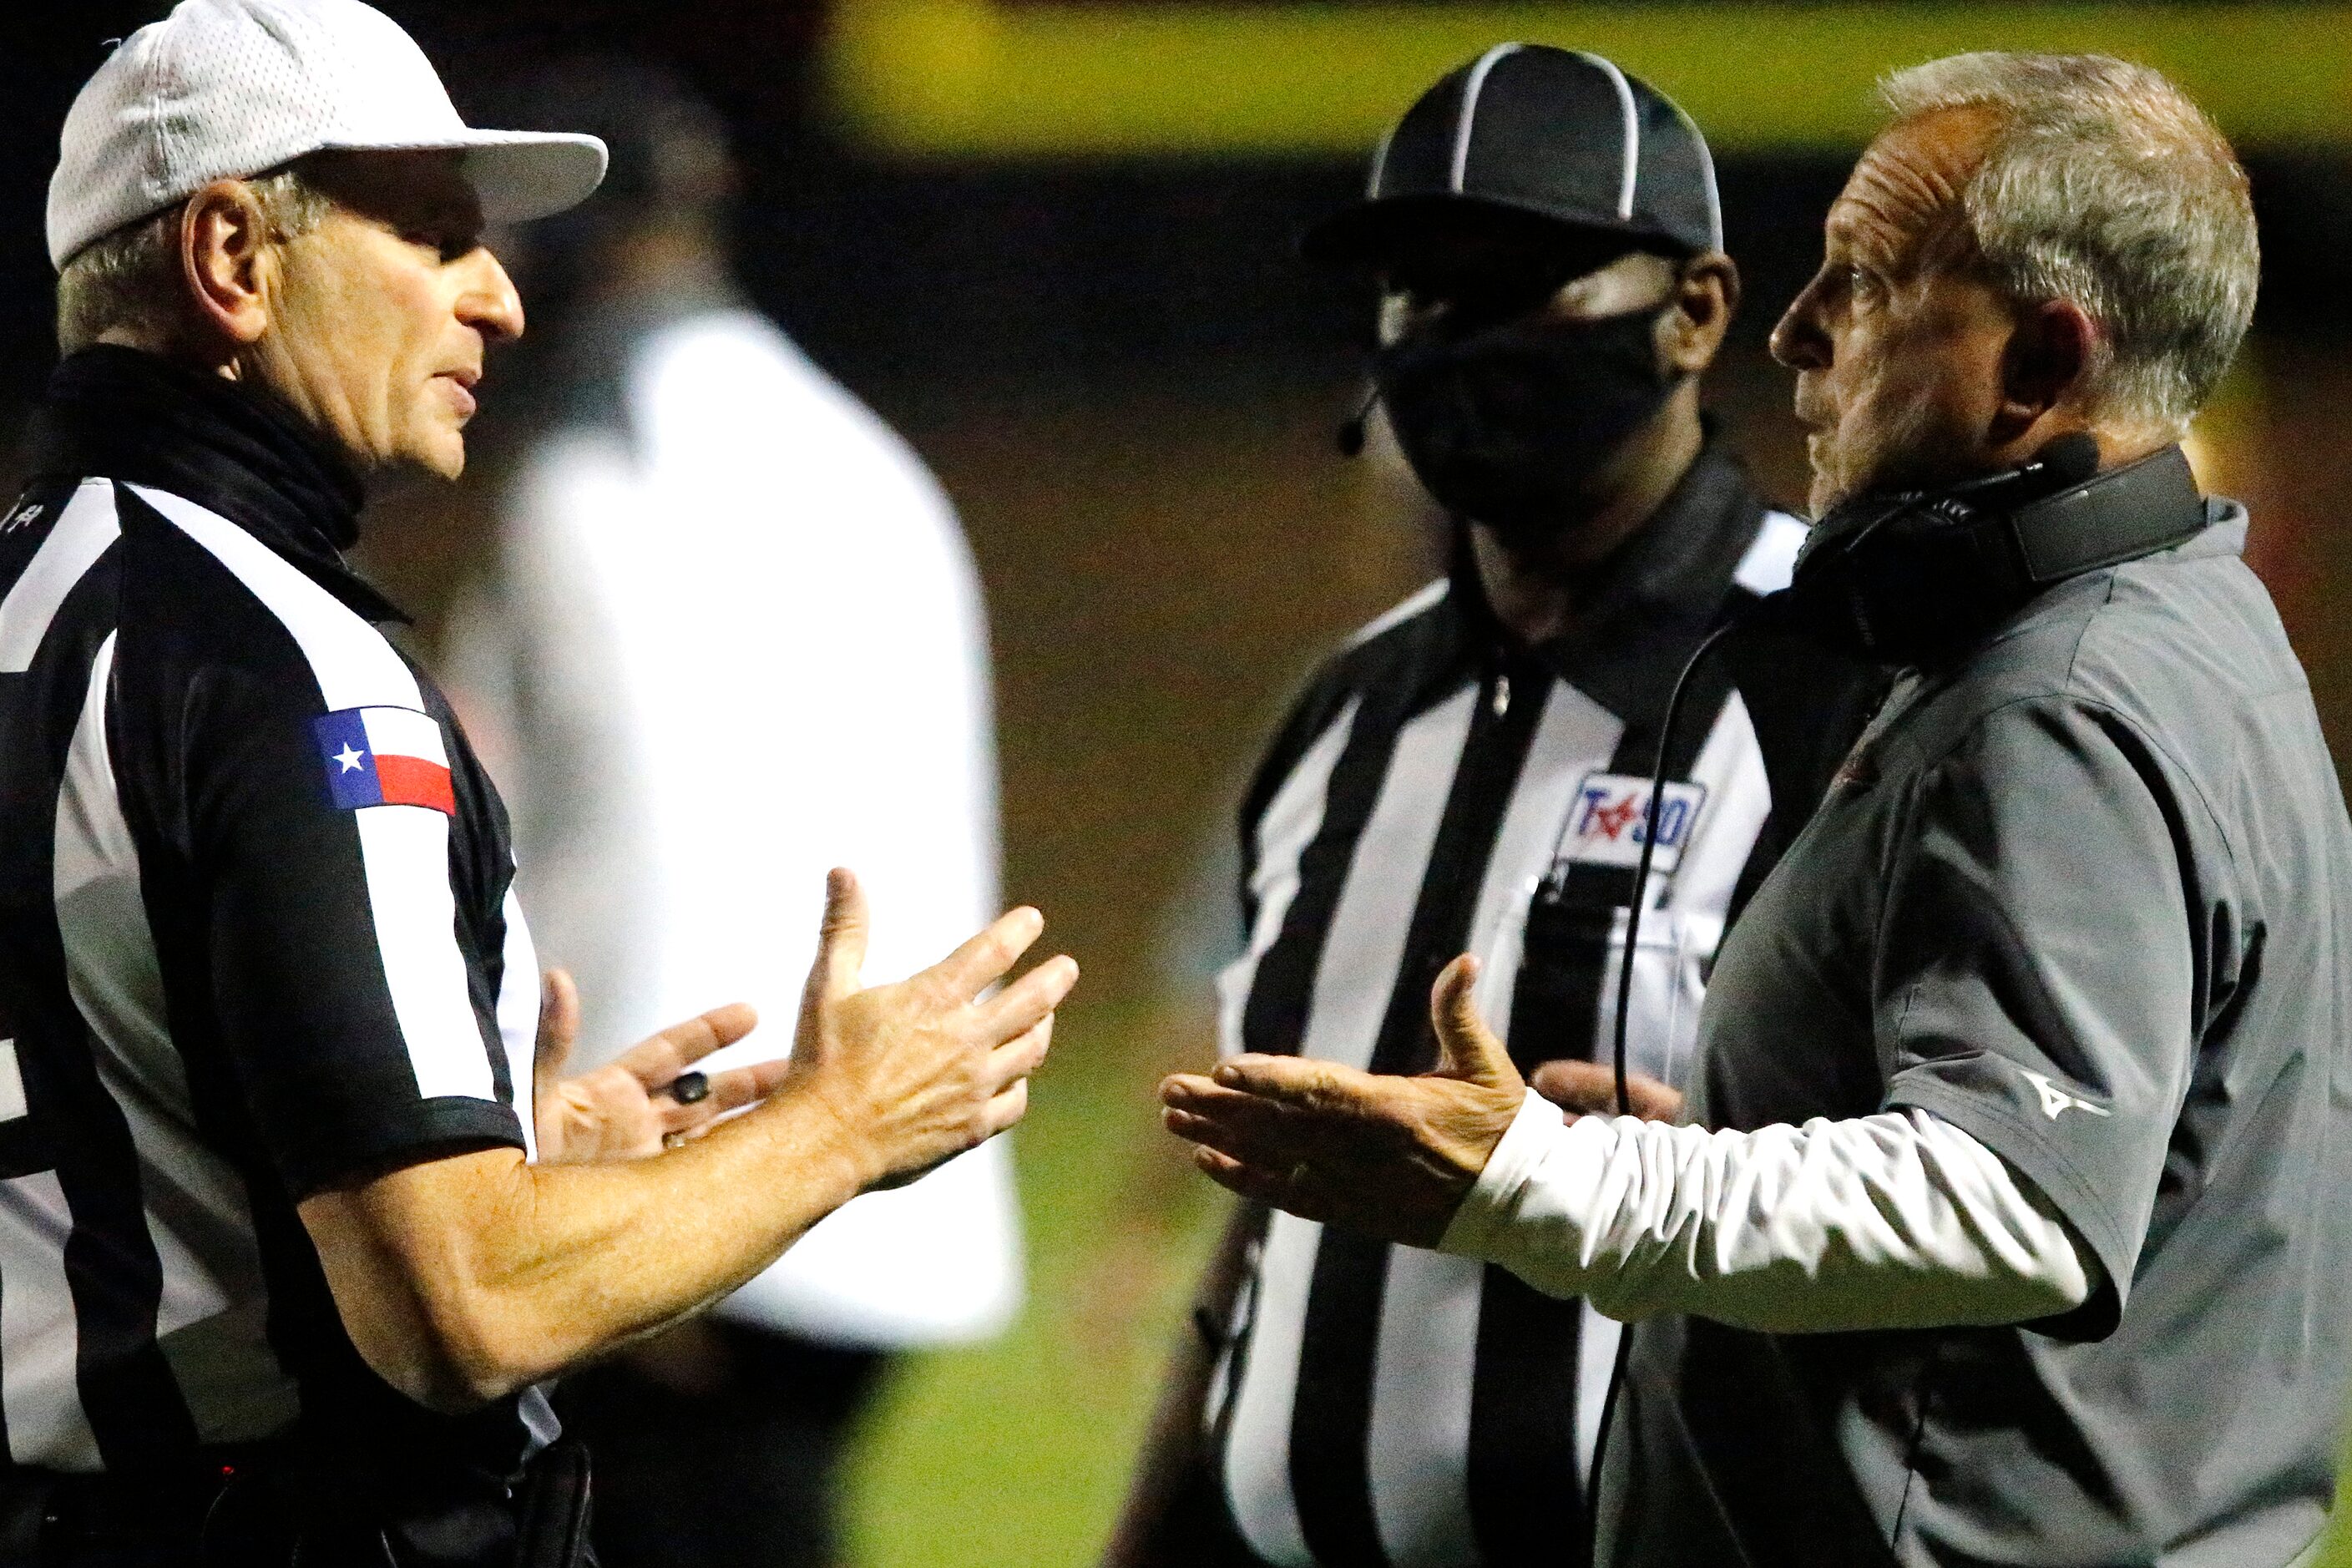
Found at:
<point>1438,790</point>
<point>257,938</point>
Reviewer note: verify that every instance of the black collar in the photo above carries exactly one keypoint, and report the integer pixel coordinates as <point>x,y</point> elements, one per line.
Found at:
<point>1650,601</point>
<point>119,414</point>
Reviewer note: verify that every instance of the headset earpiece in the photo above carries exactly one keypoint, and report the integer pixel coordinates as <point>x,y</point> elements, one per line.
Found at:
<point>1913,578</point>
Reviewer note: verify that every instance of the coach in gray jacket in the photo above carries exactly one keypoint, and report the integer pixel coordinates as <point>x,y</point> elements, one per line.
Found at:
<point>2010,1227</point>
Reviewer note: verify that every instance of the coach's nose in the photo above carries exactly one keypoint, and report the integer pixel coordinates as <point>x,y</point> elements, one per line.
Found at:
<point>1800,339</point>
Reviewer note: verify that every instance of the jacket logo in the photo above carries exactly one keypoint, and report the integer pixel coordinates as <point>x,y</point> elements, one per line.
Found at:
<point>1609,814</point>
<point>2056,1100</point>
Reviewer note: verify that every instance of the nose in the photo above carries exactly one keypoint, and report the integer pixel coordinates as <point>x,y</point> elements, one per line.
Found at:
<point>1798,340</point>
<point>489,303</point>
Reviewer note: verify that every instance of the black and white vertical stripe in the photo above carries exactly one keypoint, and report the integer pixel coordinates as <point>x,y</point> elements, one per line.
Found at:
<point>1388,1405</point>
<point>156,1292</point>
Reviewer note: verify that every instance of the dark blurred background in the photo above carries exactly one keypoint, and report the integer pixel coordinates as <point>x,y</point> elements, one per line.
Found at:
<point>1053,243</point>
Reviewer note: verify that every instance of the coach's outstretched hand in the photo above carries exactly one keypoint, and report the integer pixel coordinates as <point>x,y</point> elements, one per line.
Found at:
<point>918,1071</point>
<point>1390,1156</point>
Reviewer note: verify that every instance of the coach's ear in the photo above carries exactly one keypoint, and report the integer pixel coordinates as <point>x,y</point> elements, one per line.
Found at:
<point>2045,370</point>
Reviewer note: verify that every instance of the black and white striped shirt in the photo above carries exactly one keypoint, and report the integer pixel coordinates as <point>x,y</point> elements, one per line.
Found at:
<point>1438,790</point>
<point>227,979</point>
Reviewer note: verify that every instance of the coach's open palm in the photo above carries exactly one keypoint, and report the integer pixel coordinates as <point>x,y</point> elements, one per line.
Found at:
<point>918,1071</point>
<point>1387,1155</point>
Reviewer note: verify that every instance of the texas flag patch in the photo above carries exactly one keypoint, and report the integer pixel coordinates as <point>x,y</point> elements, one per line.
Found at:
<point>385,756</point>
<point>1607,820</point>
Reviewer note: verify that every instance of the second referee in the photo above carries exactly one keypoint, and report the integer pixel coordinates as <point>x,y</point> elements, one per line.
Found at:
<point>1468,772</point>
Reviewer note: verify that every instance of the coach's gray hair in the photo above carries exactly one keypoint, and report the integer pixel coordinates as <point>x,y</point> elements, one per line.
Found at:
<point>131,278</point>
<point>2104,184</point>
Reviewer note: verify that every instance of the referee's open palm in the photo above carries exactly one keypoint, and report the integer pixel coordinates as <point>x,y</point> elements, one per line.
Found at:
<point>921,1070</point>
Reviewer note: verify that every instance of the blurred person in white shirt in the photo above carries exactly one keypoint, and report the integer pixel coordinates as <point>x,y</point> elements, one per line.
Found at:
<point>699,529</point>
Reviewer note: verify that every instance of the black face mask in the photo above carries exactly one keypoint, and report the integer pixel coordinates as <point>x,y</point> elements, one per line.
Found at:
<point>1505,426</point>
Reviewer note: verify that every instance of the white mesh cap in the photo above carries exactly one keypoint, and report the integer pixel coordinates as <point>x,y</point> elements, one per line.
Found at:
<point>226,88</point>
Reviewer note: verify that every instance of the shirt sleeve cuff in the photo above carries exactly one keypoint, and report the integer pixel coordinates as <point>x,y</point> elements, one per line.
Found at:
<point>394,1136</point>
<point>1487,1207</point>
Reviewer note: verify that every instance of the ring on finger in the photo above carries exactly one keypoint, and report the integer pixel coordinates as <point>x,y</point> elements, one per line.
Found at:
<point>689,1088</point>
<point>672,1140</point>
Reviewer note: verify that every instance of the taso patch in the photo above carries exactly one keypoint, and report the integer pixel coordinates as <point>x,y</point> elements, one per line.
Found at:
<point>385,756</point>
<point>1609,815</point>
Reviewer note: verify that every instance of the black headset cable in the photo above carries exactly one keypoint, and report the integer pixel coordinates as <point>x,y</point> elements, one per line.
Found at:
<point>1708,646</point>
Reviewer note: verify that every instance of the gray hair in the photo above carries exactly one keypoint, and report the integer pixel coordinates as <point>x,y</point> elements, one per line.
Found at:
<point>131,278</point>
<point>2104,184</point>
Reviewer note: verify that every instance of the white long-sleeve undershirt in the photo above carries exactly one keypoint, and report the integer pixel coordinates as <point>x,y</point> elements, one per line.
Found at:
<point>1897,1220</point>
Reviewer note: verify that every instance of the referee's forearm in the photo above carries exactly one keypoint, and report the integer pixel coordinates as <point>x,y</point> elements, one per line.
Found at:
<point>460,1279</point>
<point>465,1279</point>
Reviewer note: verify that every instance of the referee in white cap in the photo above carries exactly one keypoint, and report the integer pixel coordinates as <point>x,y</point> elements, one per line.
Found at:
<point>293,1215</point>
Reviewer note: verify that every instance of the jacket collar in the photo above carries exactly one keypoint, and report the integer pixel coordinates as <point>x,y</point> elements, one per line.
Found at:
<point>119,414</point>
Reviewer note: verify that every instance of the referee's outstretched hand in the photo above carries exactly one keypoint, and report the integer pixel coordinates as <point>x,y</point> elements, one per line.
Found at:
<point>918,1071</point>
<point>463,1278</point>
<point>1387,1155</point>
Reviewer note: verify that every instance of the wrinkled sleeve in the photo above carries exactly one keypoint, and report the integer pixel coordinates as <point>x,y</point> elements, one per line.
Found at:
<point>1897,1220</point>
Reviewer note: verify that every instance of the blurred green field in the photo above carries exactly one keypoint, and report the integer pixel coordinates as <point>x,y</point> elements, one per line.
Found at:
<point>1015,1455</point>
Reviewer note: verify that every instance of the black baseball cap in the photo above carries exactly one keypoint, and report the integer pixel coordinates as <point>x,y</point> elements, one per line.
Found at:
<point>1555,144</point>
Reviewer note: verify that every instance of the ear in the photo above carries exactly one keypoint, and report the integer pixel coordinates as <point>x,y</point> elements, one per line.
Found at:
<point>227,261</point>
<point>2048,358</point>
<point>1706,297</point>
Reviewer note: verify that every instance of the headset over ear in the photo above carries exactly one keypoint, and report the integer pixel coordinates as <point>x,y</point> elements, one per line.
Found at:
<point>1914,577</point>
